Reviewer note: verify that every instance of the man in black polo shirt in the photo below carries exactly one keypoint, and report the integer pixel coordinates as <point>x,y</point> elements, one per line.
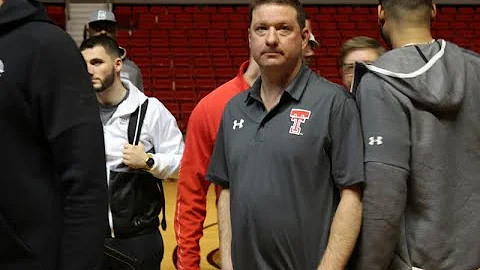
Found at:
<point>289,156</point>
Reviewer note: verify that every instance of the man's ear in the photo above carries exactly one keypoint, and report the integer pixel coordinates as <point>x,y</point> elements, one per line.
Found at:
<point>118,64</point>
<point>433,14</point>
<point>381,15</point>
<point>305,38</point>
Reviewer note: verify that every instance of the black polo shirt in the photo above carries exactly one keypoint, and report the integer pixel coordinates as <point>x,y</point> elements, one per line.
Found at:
<point>284,169</point>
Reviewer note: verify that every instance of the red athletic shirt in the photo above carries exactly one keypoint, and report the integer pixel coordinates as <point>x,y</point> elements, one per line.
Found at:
<point>192,186</point>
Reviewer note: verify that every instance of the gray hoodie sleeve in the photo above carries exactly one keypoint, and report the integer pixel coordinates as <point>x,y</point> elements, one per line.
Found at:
<point>387,152</point>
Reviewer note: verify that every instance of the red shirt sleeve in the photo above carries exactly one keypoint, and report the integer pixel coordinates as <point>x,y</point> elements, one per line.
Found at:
<point>192,188</point>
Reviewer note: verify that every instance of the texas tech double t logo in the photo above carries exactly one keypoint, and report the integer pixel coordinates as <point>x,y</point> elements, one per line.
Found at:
<point>298,117</point>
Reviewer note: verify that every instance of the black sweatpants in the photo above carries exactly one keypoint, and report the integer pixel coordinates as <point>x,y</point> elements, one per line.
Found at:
<point>143,252</point>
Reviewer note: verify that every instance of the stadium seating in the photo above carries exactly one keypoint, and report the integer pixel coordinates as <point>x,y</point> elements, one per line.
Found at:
<point>186,51</point>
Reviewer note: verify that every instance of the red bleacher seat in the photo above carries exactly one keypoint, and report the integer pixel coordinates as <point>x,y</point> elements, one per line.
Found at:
<point>182,72</point>
<point>123,9</point>
<point>200,42</point>
<point>164,83</point>
<point>161,61</point>
<point>160,51</point>
<point>199,52</point>
<point>201,62</point>
<point>161,72</point>
<point>164,24</point>
<point>192,9</point>
<point>183,24</point>
<point>178,41</point>
<point>219,17</point>
<point>192,49</point>
<point>243,9</point>
<point>222,61</point>
<point>184,84</point>
<point>57,14</point>
<point>219,52</point>
<point>182,62</point>
<point>174,9</point>
<point>158,9</point>
<point>139,52</point>
<point>140,42</point>
<point>139,9</point>
<point>209,9</point>
<point>184,95</point>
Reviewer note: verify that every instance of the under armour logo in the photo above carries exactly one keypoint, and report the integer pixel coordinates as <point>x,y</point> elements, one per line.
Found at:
<point>2,68</point>
<point>298,117</point>
<point>375,140</point>
<point>238,124</point>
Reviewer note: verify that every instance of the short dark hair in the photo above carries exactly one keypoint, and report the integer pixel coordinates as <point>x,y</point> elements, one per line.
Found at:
<point>394,7</point>
<point>301,16</point>
<point>356,43</point>
<point>108,43</point>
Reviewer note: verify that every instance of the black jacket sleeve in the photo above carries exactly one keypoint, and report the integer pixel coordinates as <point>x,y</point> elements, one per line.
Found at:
<point>387,150</point>
<point>66,110</point>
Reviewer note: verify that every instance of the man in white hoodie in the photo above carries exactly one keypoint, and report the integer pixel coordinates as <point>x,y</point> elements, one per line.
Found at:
<point>134,169</point>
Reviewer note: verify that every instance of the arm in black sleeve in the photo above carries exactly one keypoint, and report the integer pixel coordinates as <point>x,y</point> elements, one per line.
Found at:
<point>66,110</point>
<point>387,150</point>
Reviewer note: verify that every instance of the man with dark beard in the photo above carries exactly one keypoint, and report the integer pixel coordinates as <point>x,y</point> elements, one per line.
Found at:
<point>142,146</point>
<point>103,22</point>
<point>420,117</point>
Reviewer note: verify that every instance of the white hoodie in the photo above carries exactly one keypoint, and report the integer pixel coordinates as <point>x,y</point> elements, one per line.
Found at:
<point>159,131</point>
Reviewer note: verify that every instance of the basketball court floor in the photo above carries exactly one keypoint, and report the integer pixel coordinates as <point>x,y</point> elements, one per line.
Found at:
<point>209,241</point>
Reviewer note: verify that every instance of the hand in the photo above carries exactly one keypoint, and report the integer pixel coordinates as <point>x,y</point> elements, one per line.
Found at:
<point>134,156</point>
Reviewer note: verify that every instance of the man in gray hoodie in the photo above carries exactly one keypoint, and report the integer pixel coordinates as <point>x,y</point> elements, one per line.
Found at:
<point>420,117</point>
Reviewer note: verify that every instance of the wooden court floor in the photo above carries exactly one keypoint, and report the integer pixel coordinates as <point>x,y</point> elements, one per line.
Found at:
<point>208,242</point>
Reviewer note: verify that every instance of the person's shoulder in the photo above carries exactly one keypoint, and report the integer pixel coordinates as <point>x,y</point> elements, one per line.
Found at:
<point>469,55</point>
<point>47,34</point>
<point>321,87</point>
<point>156,104</point>
<point>239,98</point>
<point>222,94</point>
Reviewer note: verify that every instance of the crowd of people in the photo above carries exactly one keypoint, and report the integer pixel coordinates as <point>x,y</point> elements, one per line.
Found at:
<point>379,173</point>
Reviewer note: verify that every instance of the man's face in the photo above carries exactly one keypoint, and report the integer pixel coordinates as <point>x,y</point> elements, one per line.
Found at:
<point>102,28</point>
<point>275,37</point>
<point>309,51</point>
<point>1,2</point>
<point>366,55</point>
<point>101,67</point>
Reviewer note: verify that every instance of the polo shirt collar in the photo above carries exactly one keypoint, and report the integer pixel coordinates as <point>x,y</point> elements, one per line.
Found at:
<point>295,89</point>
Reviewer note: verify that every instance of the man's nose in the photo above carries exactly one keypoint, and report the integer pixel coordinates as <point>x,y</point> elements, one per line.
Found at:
<point>90,69</point>
<point>272,37</point>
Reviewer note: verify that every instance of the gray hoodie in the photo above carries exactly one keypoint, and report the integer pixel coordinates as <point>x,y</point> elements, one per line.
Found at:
<point>421,123</point>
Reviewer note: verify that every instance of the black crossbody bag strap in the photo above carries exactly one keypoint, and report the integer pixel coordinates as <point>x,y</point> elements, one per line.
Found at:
<point>132,127</point>
<point>132,124</point>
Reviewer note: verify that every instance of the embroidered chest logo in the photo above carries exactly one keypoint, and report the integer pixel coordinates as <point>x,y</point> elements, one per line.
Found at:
<point>375,140</point>
<point>298,117</point>
<point>124,120</point>
<point>238,124</point>
<point>2,68</point>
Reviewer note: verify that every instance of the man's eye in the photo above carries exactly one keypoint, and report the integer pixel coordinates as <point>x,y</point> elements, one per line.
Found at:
<point>261,30</point>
